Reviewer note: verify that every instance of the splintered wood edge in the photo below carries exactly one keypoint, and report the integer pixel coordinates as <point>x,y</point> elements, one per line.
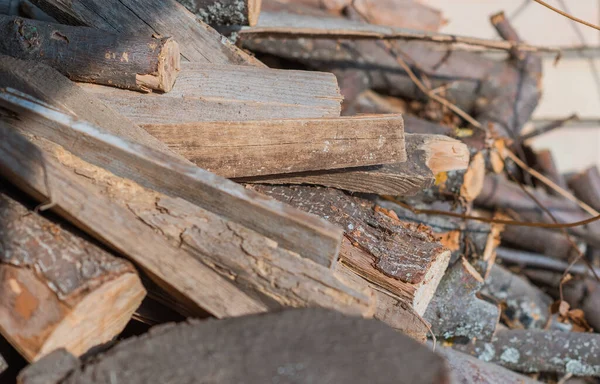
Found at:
<point>169,65</point>
<point>426,289</point>
<point>92,322</point>
<point>474,178</point>
<point>447,154</point>
<point>254,7</point>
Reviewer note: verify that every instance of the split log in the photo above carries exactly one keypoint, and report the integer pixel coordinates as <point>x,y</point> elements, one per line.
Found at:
<point>426,154</point>
<point>499,193</point>
<point>305,234</point>
<point>225,12</point>
<point>254,148</point>
<point>466,369</point>
<point>455,309</point>
<point>523,304</point>
<point>403,258</point>
<point>586,186</point>
<point>533,351</point>
<point>488,89</point>
<point>409,14</point>
<point>59,290</point>
<point>90,55</point>
<point>271,275</point>
<point>188,280</point>
<point>291,345</point>
<point>206,92</point>
<point>197,41</point>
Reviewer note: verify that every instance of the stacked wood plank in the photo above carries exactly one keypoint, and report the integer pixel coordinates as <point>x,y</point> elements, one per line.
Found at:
<point>313,220</point>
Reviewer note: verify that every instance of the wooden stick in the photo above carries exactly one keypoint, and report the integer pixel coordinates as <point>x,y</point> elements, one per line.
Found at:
<point>287,343</point>
<point>425,154</point>
<point>267,147</point>
<point>404,258</point>
<point>586,186</point>
<point>305,234</point>
<point>455,309</point>
<point>197,41</point>
<point>90,55</point>
<point>532,351</point>
<point>59,290</point>
<point>536,260</point>
<point>188,280</point>
<point>207,92</point>
<point>225,12</point>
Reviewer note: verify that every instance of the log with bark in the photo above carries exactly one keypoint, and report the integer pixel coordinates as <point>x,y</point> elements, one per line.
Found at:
<point>299,345</point>
<point>225,12</point>
<point>586,186</point>
<point>59,290</point>
<point>427,155</point>
<point>267,147</point>
<point>403,258</point>
<point>90,55</point>
<point>206,92</point>
<point>197,41</point>
<point>305,234</point>
<point>544,163</point>
<point>455,309</point>
<point>531,351</point>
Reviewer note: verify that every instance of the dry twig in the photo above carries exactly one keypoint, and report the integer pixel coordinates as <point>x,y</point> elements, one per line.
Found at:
<point>567,15</point>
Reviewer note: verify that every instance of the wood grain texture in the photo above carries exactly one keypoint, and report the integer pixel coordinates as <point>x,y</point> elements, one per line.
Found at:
<point>425,153</point>
<point>251,148</point>
<point>48,85</point>
<point>197,41</point>
<point>206,92</point>
<point>295,230</point>
<point>53,280</point>
<point>307,346</point>
<point>90,55</point>
<point>401,253</point>
<point>188,280</point>
<point>225,12</point>
<point>258,266</point>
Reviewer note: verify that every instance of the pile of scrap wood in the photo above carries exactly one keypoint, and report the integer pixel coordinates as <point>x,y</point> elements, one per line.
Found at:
<point>341,157</point>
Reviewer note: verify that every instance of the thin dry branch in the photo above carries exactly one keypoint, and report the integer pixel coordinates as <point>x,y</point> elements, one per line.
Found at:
<point>567,15</point>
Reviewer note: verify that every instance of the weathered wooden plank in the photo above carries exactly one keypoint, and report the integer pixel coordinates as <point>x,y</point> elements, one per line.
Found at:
<point>309,345</point>
<point>426,156</point>
<point>266,147</point>
<point>188,280</point>
<point>404,258</point>
<point>297,231</point>
<point>207,92</point>
<point>198,42</point>
<point>90,55</point>
<point>58,289</point>
<point>225,12</point>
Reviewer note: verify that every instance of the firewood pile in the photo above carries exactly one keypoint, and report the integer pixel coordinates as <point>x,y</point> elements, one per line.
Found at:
<point>309,191</point>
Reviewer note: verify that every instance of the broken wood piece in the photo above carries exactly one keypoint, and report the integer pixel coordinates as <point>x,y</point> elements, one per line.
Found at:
<point>59,290</point>
<point>197,41</point>
<point>400,13</point>
<point>90,55</point>
<point>467,369</point>
<point>225,12</point>
<point>270,274</point>
<point>307,6</point>
<point>207,92</point>
<point>586,186</point>
<point>480,243</point>
<point>185,278</point>
<point>455,309</point>
<point>524,305</point>
<point>254,148</point>
<point>376,353</point>
<point>308,235</point>
<point>425,154</point>
<point>531,351</point>
<point>404,258</point>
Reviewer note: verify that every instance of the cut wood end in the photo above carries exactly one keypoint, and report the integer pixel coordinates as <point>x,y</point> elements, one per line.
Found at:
<point>103,314</point>
<point>474,178</point>
<point>169,65</point>
<point>254,7</point>
<point>430,282</point>
<point>447,154</point>
<point>497,18</point>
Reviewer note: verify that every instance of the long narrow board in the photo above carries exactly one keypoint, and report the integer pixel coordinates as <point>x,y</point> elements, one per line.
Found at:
<point>305,234</point>
<point>197,41</point>
<point>267,147</point>
<point>208,92</point>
